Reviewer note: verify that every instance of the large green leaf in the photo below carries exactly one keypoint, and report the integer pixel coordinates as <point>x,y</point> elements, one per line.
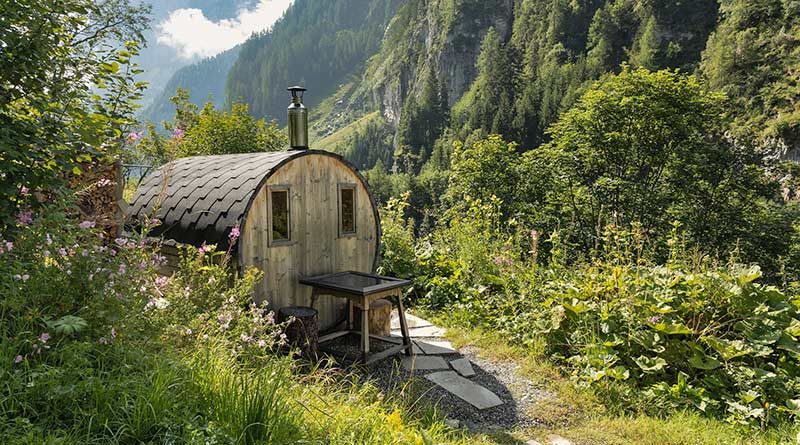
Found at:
<point>702,361</point>
<point>728,349</point>
<point>672,328</point>
<point>650,364</point>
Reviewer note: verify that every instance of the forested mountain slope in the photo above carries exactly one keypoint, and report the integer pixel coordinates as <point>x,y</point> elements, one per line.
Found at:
<point>403,73</point>
<point>318,44</point>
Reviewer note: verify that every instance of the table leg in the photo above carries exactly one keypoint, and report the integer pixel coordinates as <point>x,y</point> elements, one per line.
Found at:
<point>364,329</point>
<point>349,314</point>
<point>401,313</point>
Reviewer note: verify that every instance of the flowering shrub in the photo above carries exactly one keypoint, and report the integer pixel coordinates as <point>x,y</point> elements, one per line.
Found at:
<point>207,300</point>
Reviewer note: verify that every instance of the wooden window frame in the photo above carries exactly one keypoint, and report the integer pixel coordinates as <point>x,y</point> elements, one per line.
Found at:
<point>280,188</point>
<point>354,187</point>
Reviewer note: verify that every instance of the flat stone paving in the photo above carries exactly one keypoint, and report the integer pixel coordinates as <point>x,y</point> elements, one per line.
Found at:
<point>463,366</point>
<point>424,363</point>
<point>475,395</point>
<point>435,347</point>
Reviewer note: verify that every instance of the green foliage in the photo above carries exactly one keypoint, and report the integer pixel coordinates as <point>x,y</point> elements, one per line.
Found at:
<point>208,132</point>
<point>689,333</point>
<point>649,147</point>
<point>66,89</point>
<point>749,57</point>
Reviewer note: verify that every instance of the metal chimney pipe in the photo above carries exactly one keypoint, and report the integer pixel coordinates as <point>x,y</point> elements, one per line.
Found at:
<point>298,120</point>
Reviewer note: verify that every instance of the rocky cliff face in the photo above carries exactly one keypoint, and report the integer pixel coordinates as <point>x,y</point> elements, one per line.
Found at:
<point>439,35</point>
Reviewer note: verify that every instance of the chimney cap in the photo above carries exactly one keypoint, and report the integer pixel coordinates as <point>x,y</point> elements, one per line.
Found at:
<point>296,88</point>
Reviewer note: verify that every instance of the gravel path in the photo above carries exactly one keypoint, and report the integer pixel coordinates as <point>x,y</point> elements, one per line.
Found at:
<point>502,378</point>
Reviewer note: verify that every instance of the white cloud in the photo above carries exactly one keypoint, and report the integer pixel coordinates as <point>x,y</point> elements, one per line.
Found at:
<point>192,34</point>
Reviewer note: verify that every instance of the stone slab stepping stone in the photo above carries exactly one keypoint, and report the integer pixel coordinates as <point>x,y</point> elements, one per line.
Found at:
<point>434,347</point>
<point>472,393</point>
<point>463,367</point>
<point>411,320</point>
<point>424,331</point>
<point>424,363</point>
<point>555,439</point>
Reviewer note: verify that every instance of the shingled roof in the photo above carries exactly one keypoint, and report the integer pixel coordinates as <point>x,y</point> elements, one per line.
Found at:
<point>201,198</point>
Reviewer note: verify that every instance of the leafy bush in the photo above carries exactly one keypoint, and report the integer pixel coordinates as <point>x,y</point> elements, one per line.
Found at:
<point>687,333</point>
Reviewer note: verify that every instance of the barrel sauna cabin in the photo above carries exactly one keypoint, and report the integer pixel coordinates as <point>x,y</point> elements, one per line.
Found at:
<point>300,213</point>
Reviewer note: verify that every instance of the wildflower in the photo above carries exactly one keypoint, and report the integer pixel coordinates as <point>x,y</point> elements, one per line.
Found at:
<point>86,224</point>
<point>161,281</point>
<point>654,319</point>
<point>44,337</point>
<point>62,251</point>
<point>134,136</point>
<point>178,133</point>
<point>262,344</point>
<point>234,235</point>
<point>85,252</point>
<point>188,332</point>
<point>18,277</point>
<point>113,332</point>
<point>123,269</point>
<point>9,246</point>
<point>103,182</point>
<point>120,242</point>
<point>24,191</point>
<point>49,240</point>
<point>25,218</point>
<point>246,338</point>
<point>18,359</point>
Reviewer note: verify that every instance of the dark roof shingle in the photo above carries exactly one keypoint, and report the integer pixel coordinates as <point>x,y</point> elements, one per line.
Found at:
<point>204,196</point>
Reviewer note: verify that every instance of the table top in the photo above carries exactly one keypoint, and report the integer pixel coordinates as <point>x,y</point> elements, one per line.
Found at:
<point>357,283</point>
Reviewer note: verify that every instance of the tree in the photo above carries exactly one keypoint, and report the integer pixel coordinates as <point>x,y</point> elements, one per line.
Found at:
<point>649,147</point>
<point>66,90</point>
<point>209,132</point>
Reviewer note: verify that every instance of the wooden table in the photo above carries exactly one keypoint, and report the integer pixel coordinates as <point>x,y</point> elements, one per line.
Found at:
<point>361,289</point>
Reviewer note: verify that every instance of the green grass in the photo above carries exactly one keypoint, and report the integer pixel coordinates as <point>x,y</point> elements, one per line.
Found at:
<point>581,417</point>
<point>337,141</point>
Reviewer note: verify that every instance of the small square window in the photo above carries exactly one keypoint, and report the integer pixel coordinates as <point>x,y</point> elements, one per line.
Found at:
<point>347,209</point>
<point>279,211</point>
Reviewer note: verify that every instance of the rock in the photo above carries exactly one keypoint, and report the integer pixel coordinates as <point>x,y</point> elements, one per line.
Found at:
<point>452,423</point>
<point>555,439</point>
<point>463,366</point>
<point>424,363</point>
<point>533,442</point>
<point>474,394</point>
<point>432,347</point>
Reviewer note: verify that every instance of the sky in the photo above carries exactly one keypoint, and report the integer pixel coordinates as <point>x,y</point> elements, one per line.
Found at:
<point>193,35</point>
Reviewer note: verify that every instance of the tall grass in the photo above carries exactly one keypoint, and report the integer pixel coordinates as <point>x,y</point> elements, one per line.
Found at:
<point>249,405</point>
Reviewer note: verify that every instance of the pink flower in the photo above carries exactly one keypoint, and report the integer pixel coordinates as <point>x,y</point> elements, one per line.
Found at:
<point>24,191</point>
<point>44,337</point>
<point>121,242</point>
<point>25,217</point>
<point>18,359</point>
<point>103,182</point>
<point>178,133</point>
<point>49,240</point>
<point>134,136</point>
<point>234,235</point>
<point>161,281</point>
<point>62,251</point>
<point>86,224</point>
<point>46,253</point>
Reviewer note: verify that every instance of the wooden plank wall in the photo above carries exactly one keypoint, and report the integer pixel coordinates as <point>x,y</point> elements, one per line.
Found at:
<point>316,246</point>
